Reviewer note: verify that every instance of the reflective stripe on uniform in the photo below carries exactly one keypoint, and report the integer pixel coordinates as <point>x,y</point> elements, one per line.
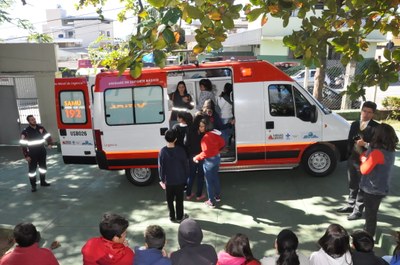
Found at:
<point>32,174</point>
<point>32,143</point>
<point>47,135</point>
<point>42,171</point>
<point>179,109</point>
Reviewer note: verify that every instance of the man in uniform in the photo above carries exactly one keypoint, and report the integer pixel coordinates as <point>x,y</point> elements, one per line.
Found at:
<point>33,139</point>
<point>360,135</point>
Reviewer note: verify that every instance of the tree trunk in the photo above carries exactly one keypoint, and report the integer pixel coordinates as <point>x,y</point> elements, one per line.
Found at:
<point>348,78</point>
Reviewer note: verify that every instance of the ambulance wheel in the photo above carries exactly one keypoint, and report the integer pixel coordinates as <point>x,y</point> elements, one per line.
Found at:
<point>140,176</point>
<point>319,160</point>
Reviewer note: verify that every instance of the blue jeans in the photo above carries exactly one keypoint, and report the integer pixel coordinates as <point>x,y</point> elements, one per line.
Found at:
<point>227,132</point>
<point>196,171</point>
<point>211,167</point>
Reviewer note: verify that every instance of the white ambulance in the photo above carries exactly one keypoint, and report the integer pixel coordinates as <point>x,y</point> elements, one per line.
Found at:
<point>119,123</point>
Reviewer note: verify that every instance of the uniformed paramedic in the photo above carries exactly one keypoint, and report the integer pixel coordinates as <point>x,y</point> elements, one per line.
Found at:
<point>33,140</point>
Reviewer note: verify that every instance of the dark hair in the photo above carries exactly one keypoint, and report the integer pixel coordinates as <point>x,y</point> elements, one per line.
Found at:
<point>206,83</point>
<point>335,241</point>
<point>384,138</point>
<point>177,90</point>
<point>154,236</point>
<point>112,225</point>
<point>25,234</point>
<point>370,105</point>
<point>28,117</point>
<point>186,116</point>
<point>362,241</point>
<point>286,244</point>
<point>208,124</point>
<point>239,246</point>
<point>227,89</point>
<point>170,136</point>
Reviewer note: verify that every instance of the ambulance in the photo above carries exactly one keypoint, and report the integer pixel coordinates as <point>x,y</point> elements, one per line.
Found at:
<point>119,122</point>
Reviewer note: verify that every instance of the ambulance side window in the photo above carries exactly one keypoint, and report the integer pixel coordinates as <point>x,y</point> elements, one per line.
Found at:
<point>303,107</point>
<point>134,105</point>
<point>73,107</point>
<point>281,100</point>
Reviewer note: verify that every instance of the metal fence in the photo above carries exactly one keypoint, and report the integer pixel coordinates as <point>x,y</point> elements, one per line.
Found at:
<point>334,89</point>
<point>26,97</point>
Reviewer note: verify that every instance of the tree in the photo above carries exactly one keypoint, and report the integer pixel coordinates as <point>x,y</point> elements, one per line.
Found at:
<point>342,25</point>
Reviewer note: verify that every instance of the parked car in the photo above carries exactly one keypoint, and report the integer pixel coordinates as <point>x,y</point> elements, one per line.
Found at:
<point>299,77</point>
<point>332,98</point>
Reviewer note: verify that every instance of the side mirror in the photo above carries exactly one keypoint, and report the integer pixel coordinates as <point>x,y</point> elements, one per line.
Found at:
<point>313,114</point>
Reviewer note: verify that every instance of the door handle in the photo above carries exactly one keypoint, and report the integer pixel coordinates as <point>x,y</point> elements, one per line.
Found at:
<point>269,125</point>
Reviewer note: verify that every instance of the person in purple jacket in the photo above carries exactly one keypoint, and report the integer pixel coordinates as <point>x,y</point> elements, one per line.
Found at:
<point>173,169</point>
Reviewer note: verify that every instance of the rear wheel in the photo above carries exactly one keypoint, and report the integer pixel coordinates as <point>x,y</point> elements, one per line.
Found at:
<point>319,160</point>
<point>140,176</point>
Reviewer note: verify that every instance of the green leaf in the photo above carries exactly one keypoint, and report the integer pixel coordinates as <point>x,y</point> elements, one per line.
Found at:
<point>136,70</point>
<point>387,54</point>
<point>168,36</point>
<point>396,55</point>
<point>254,14</point>
<point>194,12</point>
<point>156,3</point>
<point>172,16</point>
<point>159,44</point>
<point>159,58</point>
<point>228,22</point>
<point>215,44</point>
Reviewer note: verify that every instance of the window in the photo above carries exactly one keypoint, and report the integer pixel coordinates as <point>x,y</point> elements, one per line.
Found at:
<point>73,107</point>
<point>137,105</point>
<point>303,107</point>
<point>281,100</point>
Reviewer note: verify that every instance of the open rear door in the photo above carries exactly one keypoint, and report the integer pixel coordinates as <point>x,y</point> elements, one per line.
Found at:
<point>74,121</point>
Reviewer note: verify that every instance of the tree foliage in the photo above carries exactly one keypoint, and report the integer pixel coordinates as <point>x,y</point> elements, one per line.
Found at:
<point>343,25</point>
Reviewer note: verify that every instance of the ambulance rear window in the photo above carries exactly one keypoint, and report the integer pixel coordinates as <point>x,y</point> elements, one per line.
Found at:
<point>134,105</point>
<point>73,107</point>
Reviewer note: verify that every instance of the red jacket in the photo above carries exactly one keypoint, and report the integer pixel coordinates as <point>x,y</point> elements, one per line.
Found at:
<point>99,250</point>
<point>29,256</point>
<point>211,145</point>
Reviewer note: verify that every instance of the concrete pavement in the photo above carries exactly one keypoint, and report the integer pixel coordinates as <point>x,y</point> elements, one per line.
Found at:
<point>258,204</point>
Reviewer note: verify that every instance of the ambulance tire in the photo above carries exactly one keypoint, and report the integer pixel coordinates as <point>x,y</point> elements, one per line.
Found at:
<point>140,176</point>
<point>319,160</point>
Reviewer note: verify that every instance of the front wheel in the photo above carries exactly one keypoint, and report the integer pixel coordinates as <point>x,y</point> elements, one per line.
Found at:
<point>140,176</point>
<point>319,160</point>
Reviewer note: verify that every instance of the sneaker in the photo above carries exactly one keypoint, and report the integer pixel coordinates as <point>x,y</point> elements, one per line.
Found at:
<point>202,197</point>
<point>209,204</point>
<point>189,197</point>
<point>173,220</point>
<point>44,184</point>
<point>354,216</point>
<point>345,209</point>
<point>185,216</point>
<point>217,198</point>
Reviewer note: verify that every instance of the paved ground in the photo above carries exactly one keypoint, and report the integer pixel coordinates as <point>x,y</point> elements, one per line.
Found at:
<point>258,204</point>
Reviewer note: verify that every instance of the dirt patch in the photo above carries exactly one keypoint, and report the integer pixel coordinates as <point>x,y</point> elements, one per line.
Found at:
<point>6,240</point>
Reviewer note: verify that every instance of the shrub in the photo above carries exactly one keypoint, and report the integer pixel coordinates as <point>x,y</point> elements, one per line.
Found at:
<point>392,103</point>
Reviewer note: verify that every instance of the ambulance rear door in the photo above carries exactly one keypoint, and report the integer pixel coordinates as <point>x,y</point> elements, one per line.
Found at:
<point>74,121</point>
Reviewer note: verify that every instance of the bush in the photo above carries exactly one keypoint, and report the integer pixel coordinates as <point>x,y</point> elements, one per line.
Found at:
<point>392,103</point>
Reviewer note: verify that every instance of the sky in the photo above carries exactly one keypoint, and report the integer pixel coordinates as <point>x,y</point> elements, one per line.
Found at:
<point>35,11</point>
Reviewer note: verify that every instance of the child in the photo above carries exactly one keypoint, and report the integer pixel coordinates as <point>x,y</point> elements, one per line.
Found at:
<point>152,253</point>
<point>376,165</point>
<point>173,169</point>
<point>111,247</point>
<point>237,252</point>
<point>28,250</point>
<point>363,244</point>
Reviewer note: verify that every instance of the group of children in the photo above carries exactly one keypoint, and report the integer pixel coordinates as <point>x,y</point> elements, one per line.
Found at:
<point>111,248</point>
<point>193,150</point>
